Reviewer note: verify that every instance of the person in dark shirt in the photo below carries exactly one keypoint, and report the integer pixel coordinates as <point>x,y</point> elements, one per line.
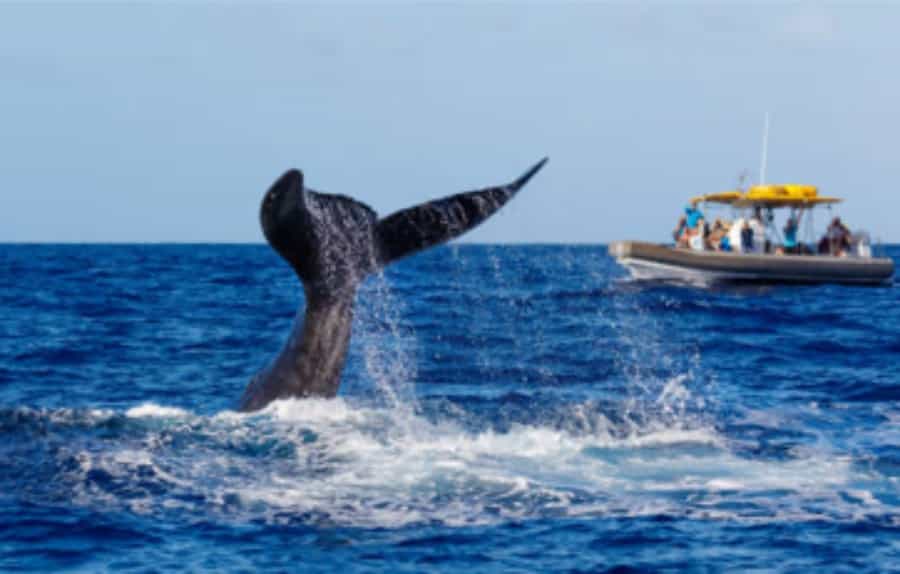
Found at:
<point>746,238</point>
<point>837,237</point>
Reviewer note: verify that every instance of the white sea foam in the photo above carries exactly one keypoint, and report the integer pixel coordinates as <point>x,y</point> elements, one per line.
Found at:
<point>330,461</point>
<point>154,410</point>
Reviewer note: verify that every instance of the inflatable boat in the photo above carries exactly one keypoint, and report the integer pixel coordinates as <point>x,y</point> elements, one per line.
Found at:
<point>748,246</point>
<point>648,261</point>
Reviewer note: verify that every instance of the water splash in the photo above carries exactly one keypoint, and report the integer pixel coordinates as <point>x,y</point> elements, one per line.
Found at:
<point>387,348</point>
<point>327,462</point>
<point>665,383</point>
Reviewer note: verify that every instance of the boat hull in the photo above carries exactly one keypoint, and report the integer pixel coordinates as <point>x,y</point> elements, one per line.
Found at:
<point>660,262</point>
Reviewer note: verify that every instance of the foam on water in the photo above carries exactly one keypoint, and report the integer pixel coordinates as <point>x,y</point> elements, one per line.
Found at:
<point>152,410</point>
<point>331,462</point>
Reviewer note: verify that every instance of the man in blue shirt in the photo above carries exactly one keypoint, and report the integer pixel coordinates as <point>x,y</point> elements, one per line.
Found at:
<point>693,214</point>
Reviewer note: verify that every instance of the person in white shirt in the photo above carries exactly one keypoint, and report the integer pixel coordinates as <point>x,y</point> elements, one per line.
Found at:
<point>758,226</point>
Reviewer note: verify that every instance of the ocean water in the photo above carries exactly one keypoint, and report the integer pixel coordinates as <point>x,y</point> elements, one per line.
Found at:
<point>504,409</point>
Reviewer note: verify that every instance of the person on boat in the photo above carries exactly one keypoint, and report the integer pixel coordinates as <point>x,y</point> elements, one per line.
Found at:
<point>837,239</point>
<point>699,235</point>
<point>687,227</point>
<point>693,214</point>
<point>717,234</point>
<point>839,232</point>
<point>734,234</point>
<point>758,228</point>
<point>725,239</point>
<point>725,244</point>
<point>746,237</point>
<point>790,234</point>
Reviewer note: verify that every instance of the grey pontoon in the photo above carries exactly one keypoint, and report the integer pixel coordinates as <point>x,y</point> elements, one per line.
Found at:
<point>667,263</point>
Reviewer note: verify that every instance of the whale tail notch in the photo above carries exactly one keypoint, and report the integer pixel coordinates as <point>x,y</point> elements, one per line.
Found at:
<point>432,223</point>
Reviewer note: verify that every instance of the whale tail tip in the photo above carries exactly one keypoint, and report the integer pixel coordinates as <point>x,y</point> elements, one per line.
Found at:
<point>523,179</point>
<point>438,221</point>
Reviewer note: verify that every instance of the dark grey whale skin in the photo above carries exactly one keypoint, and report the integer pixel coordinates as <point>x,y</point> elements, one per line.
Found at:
<point>333,242</point>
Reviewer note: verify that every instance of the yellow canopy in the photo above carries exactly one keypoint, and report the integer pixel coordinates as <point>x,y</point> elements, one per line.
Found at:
<point>719,197</point>
<point>781,195</point>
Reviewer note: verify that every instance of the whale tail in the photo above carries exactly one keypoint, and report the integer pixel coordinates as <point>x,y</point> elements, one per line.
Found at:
<point>334,241</point>
<point>432,223</point>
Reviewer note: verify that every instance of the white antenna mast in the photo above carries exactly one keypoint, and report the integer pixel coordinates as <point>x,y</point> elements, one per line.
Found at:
<point>765,152</point>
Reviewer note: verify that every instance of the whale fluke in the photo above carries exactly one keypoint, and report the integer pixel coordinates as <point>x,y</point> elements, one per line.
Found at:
<point>435,222</point>
<point>333,242</point>
<point>327,239</point>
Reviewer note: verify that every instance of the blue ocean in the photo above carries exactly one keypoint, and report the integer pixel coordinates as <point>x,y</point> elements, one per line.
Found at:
<point>504,409</point>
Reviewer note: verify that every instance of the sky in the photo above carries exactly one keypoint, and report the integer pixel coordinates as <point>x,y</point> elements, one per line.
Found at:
<point>167,122</point>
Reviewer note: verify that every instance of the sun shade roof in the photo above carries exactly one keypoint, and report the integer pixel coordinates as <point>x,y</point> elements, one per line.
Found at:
<point>774,195</point>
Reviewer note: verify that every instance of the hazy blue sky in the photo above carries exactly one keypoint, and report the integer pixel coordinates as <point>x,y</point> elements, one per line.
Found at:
<point>162,122</point>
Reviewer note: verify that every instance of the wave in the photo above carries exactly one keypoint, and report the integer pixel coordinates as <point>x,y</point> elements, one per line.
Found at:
<point>333,462</point>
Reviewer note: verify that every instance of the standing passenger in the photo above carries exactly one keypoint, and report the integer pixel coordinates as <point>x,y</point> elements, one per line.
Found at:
<point>790,234</point>
<point>746,238</point>
<point>693,215</point>
<point>758,227</point>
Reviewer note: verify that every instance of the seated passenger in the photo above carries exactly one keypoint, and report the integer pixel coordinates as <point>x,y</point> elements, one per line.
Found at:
<point>718,231</point>
<point>837,238</point>
<point>725,243</point>
<point>699,235</point>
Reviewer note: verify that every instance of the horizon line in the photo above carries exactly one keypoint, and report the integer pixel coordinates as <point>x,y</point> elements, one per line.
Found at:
<point>262,243</point>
